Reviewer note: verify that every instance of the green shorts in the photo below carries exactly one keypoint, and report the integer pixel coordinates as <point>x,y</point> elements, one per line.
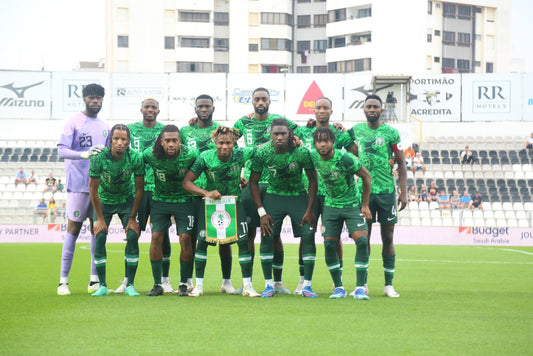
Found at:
<point>249,206</point>
<point>242,225</point>
<point>318,206</point>
<point>385,207</point>
<point>162,212</point>
<point>333,220</point>
<point>122,210</point>
<point>144,209</point>
<point>280,206</point>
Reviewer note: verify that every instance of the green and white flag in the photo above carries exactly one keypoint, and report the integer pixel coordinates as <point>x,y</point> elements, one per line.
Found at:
<point>221,220</point>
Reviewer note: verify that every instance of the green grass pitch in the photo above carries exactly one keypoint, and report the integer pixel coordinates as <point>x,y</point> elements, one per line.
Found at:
<point>464,300</point>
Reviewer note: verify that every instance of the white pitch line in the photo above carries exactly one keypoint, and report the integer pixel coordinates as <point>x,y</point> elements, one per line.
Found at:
<point>519,251</point>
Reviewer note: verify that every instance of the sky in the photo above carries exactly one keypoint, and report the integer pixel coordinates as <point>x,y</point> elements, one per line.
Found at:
<point>55,35</point>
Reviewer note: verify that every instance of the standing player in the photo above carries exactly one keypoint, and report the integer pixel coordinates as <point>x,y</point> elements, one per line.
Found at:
<point>198,136</point>
<point>84,135</point>
<point>378,142</point>
<point>256,132</point>
<point>342,205</point>
<point>323,111</point>
<point>143,135</point>
<point>222,167</point>
<point>171,161</point>
<point>113,192</point>
<point>285,195</point>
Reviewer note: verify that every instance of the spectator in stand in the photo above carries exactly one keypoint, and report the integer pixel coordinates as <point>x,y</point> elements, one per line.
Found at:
<point>412,196</point>
<point>433,192</point>
<point>42,210</point>
<point>529,142</point>
<point>52,209</point>
<point>409,151</point>
<point>477,201</point>
<point>444,200</point>
<point>423,194</point>
<point>455,200</point>
<point>21,177</point>
<point>466,200</point>
<point>418,164</point>
<point>408,164</point>
<point>60,186</point>
<point>50,184</point>
<point>62,211</point>
<point>33,178</point>
<point>467,156</point>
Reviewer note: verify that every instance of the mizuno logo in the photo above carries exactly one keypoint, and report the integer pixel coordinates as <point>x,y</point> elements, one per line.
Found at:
<point>20,90</point>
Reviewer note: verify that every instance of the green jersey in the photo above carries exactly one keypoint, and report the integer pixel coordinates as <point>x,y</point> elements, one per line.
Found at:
<point>197,137</point>
<point>285,169</point>
<point>305,134</point>
<point>143,137</point>
<point>337,176</point>
<point>223,176</point>
<point>375,151</point>
<point>116,183</point>
<point>169,175</point>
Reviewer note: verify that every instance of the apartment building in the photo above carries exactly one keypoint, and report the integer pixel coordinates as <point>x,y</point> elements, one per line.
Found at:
<point>308,36</point>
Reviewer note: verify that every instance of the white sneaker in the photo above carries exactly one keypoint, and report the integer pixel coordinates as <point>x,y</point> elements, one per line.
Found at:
<point>197,292</point>
<point>366,290</point>
<point>227,288</point>
<point>190,287</point>
<point>390,292</point>
<point>121,288</point>
<point>279,288</point>
<point>249,291</point>
<point>298,290</point>
<point>167,288</point>
<point>63,289</point>
<point>93,287</point>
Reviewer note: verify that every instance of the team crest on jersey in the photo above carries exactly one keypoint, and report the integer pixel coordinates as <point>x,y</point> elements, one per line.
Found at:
<point>104,133</point>
<point>183,171</point>
<point>127,173</point>
<point>335,174</point>
<point>202,233</point>
<point>293,166</point>
<point>380,141</point>
<point>234,168</point>
<point>76,214</point>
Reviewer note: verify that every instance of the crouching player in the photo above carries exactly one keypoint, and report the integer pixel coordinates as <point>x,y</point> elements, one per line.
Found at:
<point>222,167</point>
<point>342,205</point>
<point>112,192</point>
<point>170,161</point>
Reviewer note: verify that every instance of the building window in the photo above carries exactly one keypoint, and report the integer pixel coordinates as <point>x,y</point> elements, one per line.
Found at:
<point>320,0</point>
<point>303,69</point>
<point>463,39</point>
<point>300,1</point>
<point>321,20</point>
<point>123,41</point>
<point>337,15</point>
<point>477,64</point>
<point>449,10</point>
<point>364,13</point>
<point>465,12</point>
<point>320,69</point>
<point>194,42</point>
<point>302,46</point>
<point>253,47</point>
<point>188,16</point>
<point>320,46</point>
<point>276,18</point>
<point>449,38</point>
<point>357,65</point>
<point>335,42</point>
<point>429,37</point>
<point>437,32</point>
<point>220,68</point>
<point>303,21</point>
<point>221,19</point>
<point>276,44</point>
<point>430,7</point>
<point>222,44</point>
<point>436,59</point>
<point>489,67</point>
<point>170,42</point>
<point>463,65</point>
<point>448,63</point>
<point>184,67</point>
<point>273,69</point>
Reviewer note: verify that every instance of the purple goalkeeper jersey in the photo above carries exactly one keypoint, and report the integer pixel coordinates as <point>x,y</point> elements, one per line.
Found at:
<point>80,133</point>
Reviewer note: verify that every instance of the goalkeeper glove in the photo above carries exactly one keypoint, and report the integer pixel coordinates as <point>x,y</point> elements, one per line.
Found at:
<point>92,151</point>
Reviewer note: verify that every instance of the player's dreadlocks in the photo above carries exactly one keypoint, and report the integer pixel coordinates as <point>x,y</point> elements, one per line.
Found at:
<point>223,130</point>
<point>119,127</point>
<point>283,122</point>
<point>323,134</point>
<point>158,150</point>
